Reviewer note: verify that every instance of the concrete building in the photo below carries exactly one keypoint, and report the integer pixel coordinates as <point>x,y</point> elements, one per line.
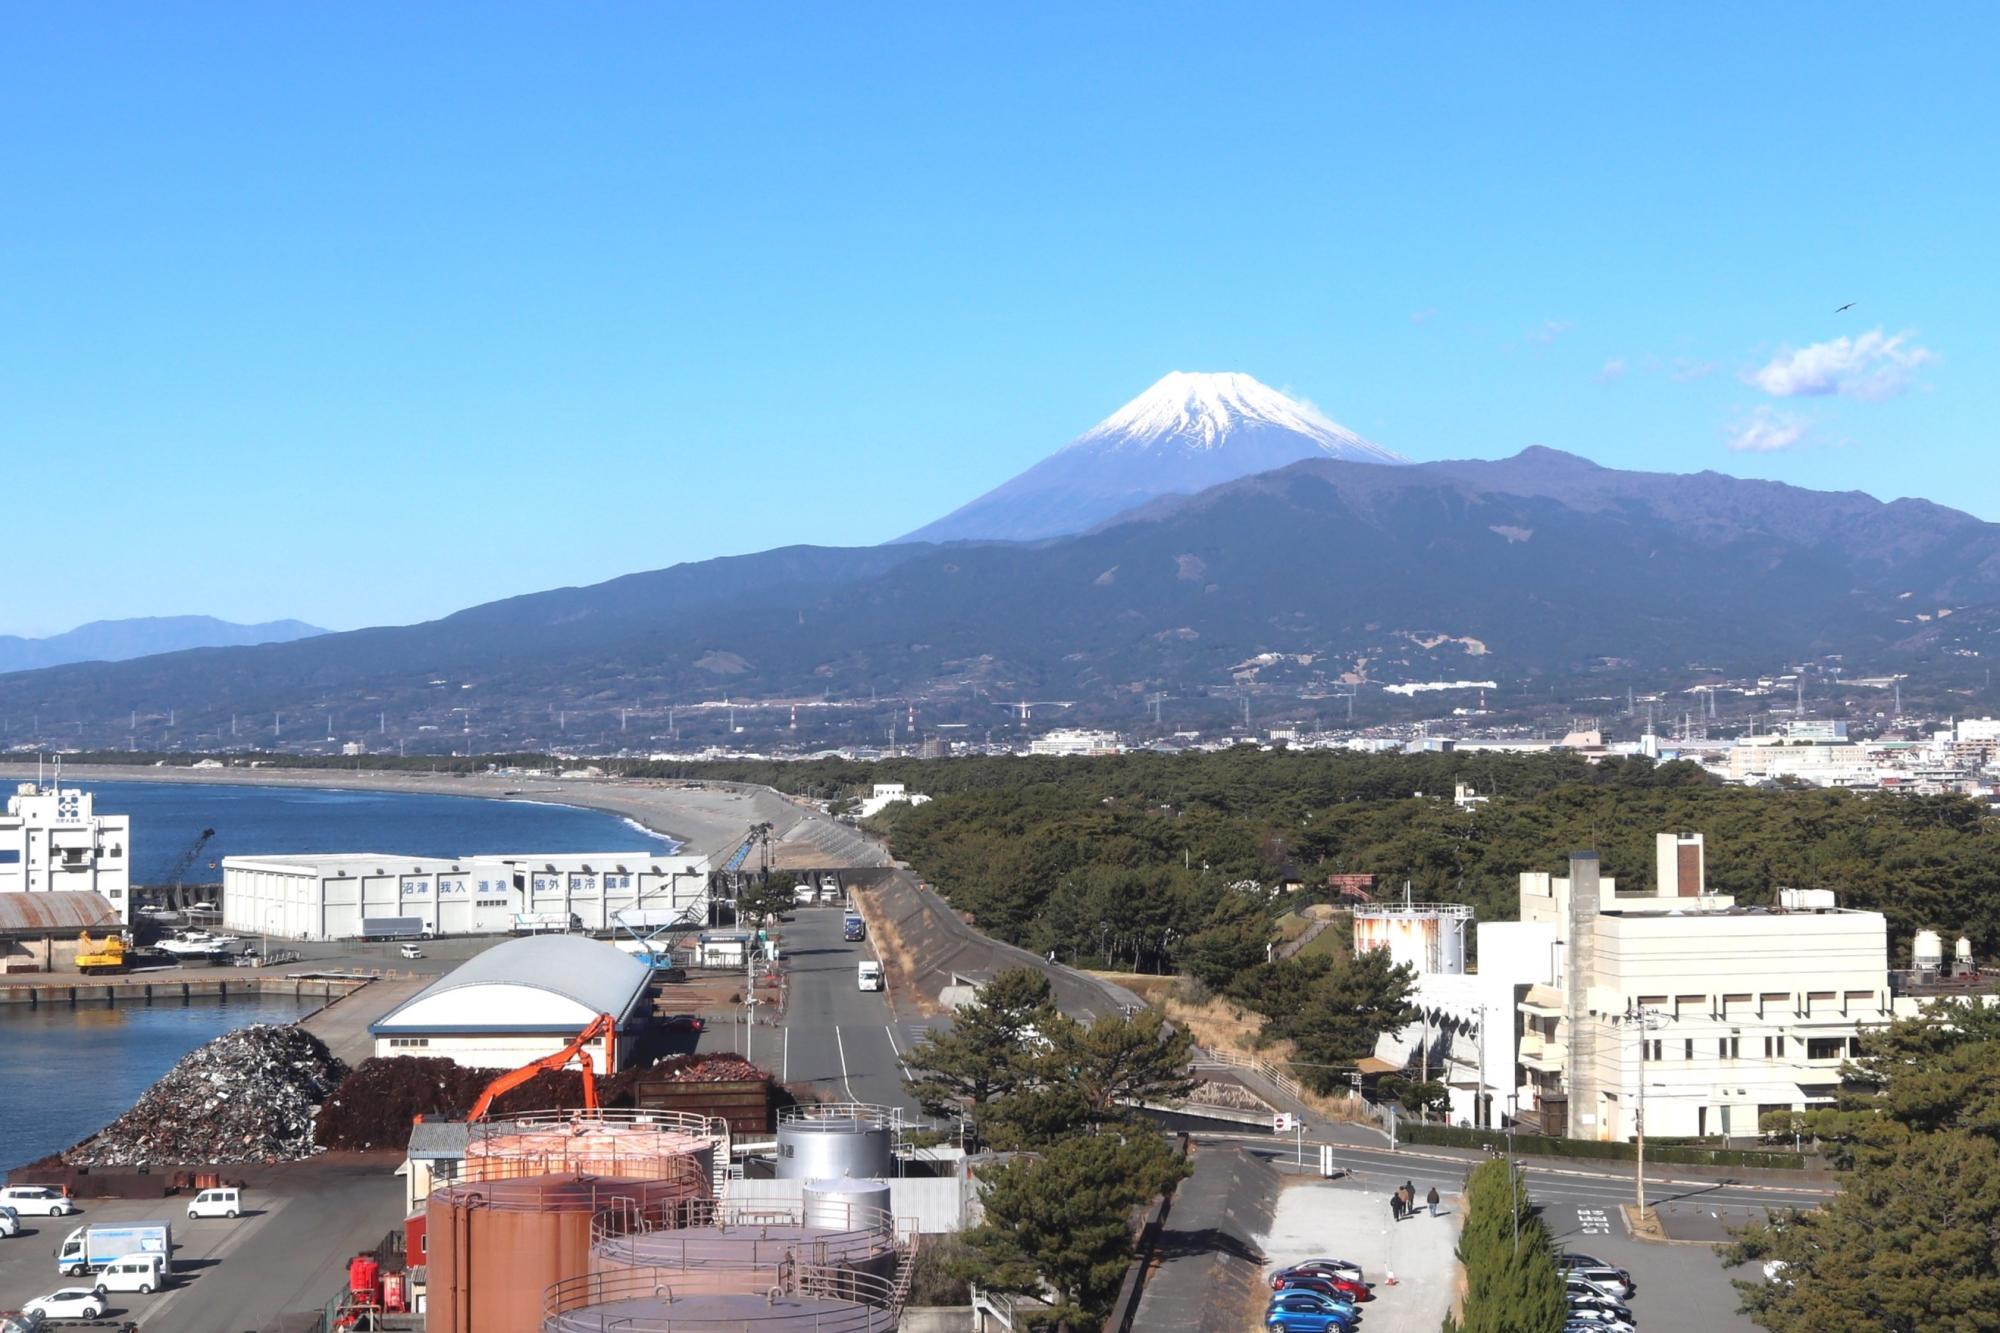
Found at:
<point>52,840</point>
<point>322,897</point>
<point>1070,741</point>
<point>519,1001</point>
<point>1711,1013</point>
<point>885,795</point>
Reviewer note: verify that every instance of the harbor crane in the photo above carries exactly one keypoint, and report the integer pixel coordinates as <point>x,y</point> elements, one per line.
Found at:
<point>604,1025</point>
<point>182,864</point>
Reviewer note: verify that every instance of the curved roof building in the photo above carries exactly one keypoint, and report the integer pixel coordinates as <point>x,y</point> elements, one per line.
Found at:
<point>516,1002</point>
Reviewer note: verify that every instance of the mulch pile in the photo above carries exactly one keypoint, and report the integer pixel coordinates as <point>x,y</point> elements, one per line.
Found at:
<point>375,1106</point>
<point>723,1067</point>
<point>377,1103</point>
<point>248,1096</point>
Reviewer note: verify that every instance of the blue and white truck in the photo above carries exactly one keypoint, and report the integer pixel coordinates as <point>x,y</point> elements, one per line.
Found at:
<point>91,1247</point>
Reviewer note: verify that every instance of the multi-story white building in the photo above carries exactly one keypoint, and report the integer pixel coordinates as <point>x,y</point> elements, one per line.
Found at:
<point>329,896</point>
<point>52,840</point>
<point>1068,740</point>
<point>1709,1012</point>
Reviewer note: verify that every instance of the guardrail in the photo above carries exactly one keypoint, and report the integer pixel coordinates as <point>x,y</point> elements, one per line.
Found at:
<point>1204,1058</point>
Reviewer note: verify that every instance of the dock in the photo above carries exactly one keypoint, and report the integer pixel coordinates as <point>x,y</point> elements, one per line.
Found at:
<point>109,992</point>
<point>343,1023</point>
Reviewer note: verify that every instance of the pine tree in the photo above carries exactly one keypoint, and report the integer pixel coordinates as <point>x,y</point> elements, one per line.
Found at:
<point>1512,1284</point>
<point>986,1052</point>
<point>1059,1225</point>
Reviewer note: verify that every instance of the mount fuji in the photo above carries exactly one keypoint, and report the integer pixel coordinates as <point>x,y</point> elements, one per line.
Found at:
<point>1186,433</point>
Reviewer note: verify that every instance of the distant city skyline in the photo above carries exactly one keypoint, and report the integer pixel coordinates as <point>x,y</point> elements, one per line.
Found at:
<point>363,316</point>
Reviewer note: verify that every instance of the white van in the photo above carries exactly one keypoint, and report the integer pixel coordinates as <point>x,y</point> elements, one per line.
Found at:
<point>216,1203</point>
<point>868,976</point>
<point>143,1273</point>
<point>26,1199</point>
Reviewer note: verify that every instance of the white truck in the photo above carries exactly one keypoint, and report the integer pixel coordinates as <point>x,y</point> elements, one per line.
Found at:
<point>92,1246</point>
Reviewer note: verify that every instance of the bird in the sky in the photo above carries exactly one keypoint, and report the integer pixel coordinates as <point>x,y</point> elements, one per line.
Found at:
<point>1843,309</point>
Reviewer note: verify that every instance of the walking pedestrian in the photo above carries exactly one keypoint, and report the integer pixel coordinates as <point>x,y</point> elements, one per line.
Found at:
<point>1396,1205</point>
<point>1432,1198</point>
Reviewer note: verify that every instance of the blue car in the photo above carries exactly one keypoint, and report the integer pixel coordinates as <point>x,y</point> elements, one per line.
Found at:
<point>1308,1312</point>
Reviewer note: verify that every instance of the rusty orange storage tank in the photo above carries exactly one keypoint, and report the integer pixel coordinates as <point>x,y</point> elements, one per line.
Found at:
<point>497,1245</point>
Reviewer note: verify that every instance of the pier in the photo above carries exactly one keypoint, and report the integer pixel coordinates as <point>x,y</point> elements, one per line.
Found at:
<point>80,992</point>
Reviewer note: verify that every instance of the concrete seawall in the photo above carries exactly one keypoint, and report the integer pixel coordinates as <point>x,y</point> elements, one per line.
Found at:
<point>110,992</point>
<point>943,947</point>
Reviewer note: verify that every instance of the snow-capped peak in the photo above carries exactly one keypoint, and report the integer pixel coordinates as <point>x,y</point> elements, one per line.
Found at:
<point>1200,411</point>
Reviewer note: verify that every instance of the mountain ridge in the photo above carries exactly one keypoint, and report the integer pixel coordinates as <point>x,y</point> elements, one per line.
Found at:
<point>1186,432</point>
<point>142,636</point>
<point>1300,579</point>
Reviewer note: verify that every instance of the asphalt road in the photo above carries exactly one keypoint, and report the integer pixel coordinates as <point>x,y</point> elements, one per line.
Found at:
<point>1681,1286</point>
<point>834,1038</point>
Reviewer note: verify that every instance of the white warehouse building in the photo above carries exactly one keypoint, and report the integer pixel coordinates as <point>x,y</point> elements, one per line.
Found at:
<point>328,897</point>
<point>519,1001</point>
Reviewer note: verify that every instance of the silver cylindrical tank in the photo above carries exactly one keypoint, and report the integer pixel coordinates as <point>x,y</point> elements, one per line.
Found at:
<point>843,1204</point>
<point>857,1145</point>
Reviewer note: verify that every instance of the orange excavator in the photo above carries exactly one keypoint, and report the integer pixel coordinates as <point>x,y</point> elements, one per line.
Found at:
<point>604,1025</point>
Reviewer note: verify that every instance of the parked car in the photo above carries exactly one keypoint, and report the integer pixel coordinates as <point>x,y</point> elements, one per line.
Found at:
<point>224,1202</point>
<point>38,1200</point>
<point>1338,1304</point>
<point>1601,1320</point>
<point>68,1303</point>
<point>1613,1279</point>
<point>1328,1268</point>
<point>1582,1286</point>
<point>10,1221</point>
<point>143,1273</point>
<point>1337,1287</point>
<point>1354,1289</point>
<point>1571,1259</point>
<point>1604,1304</point>
<point>1304,1312</point>
<point>23,1321</point>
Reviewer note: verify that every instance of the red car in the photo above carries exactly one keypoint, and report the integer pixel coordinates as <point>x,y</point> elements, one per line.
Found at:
<point>1326,1284</point>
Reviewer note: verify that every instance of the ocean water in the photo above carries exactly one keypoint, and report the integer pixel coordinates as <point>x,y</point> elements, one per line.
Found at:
<point>273,821</point>
<point>64,1073</point>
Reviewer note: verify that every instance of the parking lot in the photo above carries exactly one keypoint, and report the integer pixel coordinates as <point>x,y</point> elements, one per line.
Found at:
<point>288,1252</point>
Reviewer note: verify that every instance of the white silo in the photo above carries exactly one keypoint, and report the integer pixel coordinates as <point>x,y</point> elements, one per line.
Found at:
<point>1927,951</point>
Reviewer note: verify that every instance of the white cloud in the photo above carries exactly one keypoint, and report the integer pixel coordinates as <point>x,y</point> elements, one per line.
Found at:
<point>1872,367</point>
<point>1550,330</point>
<point>1686,370</point>
<point>1614,369</point>
<point>1424,316</point>
<point>1764,431</point>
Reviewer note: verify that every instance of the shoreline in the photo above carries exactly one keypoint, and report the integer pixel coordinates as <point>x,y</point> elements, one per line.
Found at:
<point>707,820</point>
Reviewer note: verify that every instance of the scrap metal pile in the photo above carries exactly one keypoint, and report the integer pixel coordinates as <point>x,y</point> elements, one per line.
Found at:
<point>248,1096</point>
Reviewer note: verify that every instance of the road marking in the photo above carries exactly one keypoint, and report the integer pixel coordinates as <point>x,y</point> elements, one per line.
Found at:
<point>841,1046</point>
<point>239,1231</point>
<point>898,1050</point>
<point>1593,1222</point>
<point>785,1064</point>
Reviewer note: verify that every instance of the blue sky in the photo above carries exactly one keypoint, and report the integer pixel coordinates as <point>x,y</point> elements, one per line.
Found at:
<point>362,314</point>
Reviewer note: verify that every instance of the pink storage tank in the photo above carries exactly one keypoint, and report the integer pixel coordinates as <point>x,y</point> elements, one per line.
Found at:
<point>626,1145</point>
